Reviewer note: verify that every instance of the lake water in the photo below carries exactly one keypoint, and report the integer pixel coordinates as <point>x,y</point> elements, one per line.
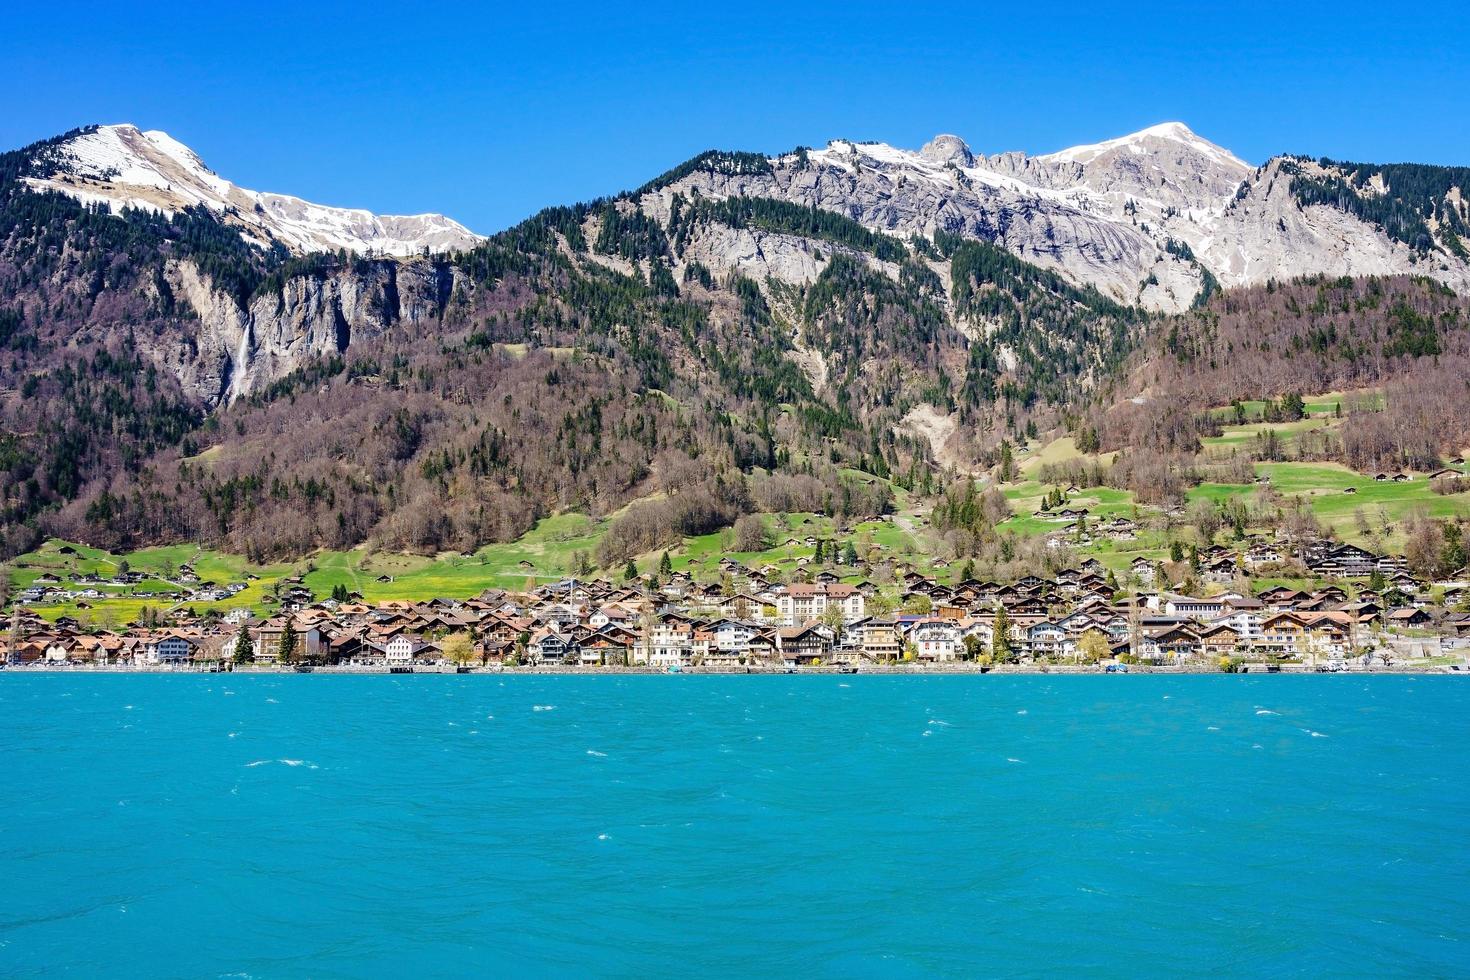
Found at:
<point>273,825</point>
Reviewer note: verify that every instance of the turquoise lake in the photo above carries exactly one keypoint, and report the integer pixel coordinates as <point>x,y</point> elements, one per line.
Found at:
<point>272,826</point>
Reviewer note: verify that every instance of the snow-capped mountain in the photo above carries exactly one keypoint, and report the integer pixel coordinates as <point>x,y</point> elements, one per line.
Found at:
<point>1147,218</point>
<point>121,166</point>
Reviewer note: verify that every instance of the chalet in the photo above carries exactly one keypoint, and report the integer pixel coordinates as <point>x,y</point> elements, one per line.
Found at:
<point>171,648</point>
<point>547,646</point>
<point>1169,644</point>
<point>1283,634</point>
<point>1408,616</point>
<point>1220,639</point>
<point>799,645</point>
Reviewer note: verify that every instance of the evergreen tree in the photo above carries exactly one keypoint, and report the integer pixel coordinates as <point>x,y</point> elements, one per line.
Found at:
<point>1000,641</point>
<point>287,651</point>
<point>244,651</point>
<point>630,571</point>
<point>849,554</point>
<point>1006,471</point>
<point>1453,557</point>
<point>665,566</point>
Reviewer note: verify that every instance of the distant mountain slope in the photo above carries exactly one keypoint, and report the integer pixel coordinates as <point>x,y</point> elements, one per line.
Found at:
<point>741,328</point>
<point>121,166</point>
<point>1154,218</point>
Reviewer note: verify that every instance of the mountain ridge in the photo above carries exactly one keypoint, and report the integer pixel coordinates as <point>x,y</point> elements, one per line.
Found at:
<point>739,319</point>
<point>120,166</point>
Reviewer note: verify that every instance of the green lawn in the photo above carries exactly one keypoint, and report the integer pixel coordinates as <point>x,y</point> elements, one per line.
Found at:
<point>548,547</point>
<point>1326,403</point>
<point>1323,485</point>
<point>1242,436</point>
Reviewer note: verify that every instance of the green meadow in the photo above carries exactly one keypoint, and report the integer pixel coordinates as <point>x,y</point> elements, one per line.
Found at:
<point>549,551</point>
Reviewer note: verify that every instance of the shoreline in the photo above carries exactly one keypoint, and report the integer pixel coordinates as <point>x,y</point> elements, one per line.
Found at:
<point>956,670</point>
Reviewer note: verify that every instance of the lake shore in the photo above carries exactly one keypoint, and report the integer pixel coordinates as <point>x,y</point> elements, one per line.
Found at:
<point>957,669</point>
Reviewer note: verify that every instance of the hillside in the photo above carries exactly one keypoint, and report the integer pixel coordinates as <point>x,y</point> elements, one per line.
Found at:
<point>803,332</point>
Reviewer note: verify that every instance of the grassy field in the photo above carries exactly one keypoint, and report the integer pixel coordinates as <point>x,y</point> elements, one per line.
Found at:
<point>1327,403</point>
<point>1058,451</point>
<point>1243,436</point>
<point>1323,485</point>
<point>546,552</point>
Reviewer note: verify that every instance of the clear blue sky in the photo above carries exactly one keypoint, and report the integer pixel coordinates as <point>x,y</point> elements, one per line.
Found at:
<point>488,113</point>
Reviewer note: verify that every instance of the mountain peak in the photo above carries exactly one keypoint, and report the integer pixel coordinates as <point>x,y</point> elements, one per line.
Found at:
<point>947,148</point>
<point>1139,142</point>
<point>121,166</point>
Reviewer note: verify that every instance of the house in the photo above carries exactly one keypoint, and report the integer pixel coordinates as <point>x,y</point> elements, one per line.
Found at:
<point>669,643</point>
<point>402,649</point>
<point>1045,639</point>
<point>879,639</point>
<point>1170,644</point>
<point>799,645</point>
<point>1220,639</point>
<point>547,646</point>
<point>171,648</point>
<point>1283,634</point>
<point>1408,616</point>
<point>936,640</point>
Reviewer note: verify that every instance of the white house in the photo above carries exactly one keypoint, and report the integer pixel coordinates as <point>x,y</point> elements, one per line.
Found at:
<point>936,640</point>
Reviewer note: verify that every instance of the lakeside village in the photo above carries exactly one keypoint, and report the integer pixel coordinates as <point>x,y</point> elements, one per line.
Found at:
<point>1372,616</point>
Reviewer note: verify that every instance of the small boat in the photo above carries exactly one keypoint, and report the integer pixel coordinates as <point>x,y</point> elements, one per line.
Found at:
<point>1117,668</point>
<point>675,669</point>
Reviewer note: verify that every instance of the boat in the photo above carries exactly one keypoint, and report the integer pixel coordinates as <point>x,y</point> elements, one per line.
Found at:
<point>675,669</point>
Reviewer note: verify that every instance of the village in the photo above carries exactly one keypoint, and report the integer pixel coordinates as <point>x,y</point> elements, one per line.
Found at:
<point>1370,614</point>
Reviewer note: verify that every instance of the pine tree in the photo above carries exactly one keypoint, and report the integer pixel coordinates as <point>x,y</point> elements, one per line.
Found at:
<point>244,651</point>
<point>287,652</point>
<point>849,555</point>
<point>630,571</point>
<point>665,566</point>
<point>1007,466</point>
<point>1000,641</point>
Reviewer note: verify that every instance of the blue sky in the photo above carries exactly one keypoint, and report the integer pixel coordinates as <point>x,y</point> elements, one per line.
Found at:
<point>488,113</point>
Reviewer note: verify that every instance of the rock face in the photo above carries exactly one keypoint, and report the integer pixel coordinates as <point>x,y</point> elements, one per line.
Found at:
<point>1143,218</point>
<point>121,166</point>
<point>239,349</point>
